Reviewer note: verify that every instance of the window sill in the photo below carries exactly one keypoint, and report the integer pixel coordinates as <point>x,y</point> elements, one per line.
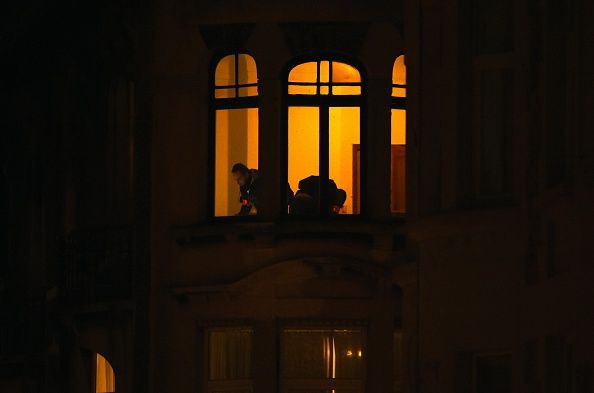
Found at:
<point>347,229</point>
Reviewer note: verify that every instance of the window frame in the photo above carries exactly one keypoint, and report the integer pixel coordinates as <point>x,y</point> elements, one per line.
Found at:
<point>215,104</point>
<point>399,103</point>
<point>332,383</point>
<point>232,385</point>
<point>323,102</point>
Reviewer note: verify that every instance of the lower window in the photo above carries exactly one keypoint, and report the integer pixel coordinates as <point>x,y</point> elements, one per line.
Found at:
<point>230,353</point>
<point>322,360</point>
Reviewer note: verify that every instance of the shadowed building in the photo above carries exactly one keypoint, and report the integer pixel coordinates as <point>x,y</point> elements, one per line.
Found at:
<point>437,232</point>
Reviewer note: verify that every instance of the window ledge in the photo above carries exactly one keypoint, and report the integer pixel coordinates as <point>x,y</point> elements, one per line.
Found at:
<point>339,229</point>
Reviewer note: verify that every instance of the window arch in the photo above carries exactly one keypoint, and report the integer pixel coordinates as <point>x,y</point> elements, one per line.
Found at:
<point>324,97</point>
<point>398,137</point>
<point>235,116</point>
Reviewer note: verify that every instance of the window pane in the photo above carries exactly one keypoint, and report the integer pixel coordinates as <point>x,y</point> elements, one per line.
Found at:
<point>230,354</point>
<point>306,72</point>
<point>398,92</point>
<point>349,354</point>
<point>398,127</point>
<point>303,158</point>
<point>344,156</point>
<point>398,161</point>
<point>104,375</point>
<point>296,89</point>
<point>306,354</point>
<point>247,69</point>
<point>346,90</point>
<point>225,71</point>
<point>225,93</point>
<point>399,71</point>
<point>236,141</point>
<point>342,72</point>
<point>399,77</point>
<point>248,91</point>
<point>325,71</point>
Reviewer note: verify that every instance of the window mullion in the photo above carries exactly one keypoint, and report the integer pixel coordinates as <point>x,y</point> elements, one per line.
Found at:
<point>236,75</point>
<point>324,158</point>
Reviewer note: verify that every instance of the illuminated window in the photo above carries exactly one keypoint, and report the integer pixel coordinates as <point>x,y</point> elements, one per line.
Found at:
<point>323,138</point>
<point>104,375</point>
<point>230,360</point>
<point>235,115</point>
<point>398,138</point>
<point>322,360</point>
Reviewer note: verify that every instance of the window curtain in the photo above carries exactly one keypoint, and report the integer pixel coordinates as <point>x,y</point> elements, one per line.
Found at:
<point>230,354</point>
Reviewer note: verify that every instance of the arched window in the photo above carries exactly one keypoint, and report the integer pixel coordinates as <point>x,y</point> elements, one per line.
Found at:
<point>324,99</point>
<point>104,375</point>
<point>398,138</point>
<point>235,115</point>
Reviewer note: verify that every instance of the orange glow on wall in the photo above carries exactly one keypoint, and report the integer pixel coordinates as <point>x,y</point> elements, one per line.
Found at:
<point>104,376</point>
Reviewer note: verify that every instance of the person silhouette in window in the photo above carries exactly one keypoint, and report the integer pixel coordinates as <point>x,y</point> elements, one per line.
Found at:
<point>306,201</point>
<point>247,179</point>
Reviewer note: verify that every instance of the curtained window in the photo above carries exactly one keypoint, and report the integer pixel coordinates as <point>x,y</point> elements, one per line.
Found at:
<point>322,360</point>
<point>230,353</point>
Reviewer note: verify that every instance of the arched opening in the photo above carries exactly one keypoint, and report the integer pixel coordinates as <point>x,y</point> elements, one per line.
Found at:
<point>324,99</point>
<point>104,375</point>
<point>398,137</point>
<point>235,93</point>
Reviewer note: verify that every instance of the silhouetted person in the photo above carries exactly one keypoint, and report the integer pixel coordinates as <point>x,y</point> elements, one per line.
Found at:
<point>307,199</point>
<point>247,179</point>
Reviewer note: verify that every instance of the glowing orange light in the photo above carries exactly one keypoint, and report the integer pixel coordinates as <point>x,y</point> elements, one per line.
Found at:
<point>104,376</point>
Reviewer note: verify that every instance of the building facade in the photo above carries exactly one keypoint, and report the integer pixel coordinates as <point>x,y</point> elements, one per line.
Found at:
<point>459,260</point>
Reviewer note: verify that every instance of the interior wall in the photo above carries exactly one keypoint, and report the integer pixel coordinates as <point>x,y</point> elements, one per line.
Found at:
<point>344,134</point>
<point>236,142</point>
<point>303,144</point>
